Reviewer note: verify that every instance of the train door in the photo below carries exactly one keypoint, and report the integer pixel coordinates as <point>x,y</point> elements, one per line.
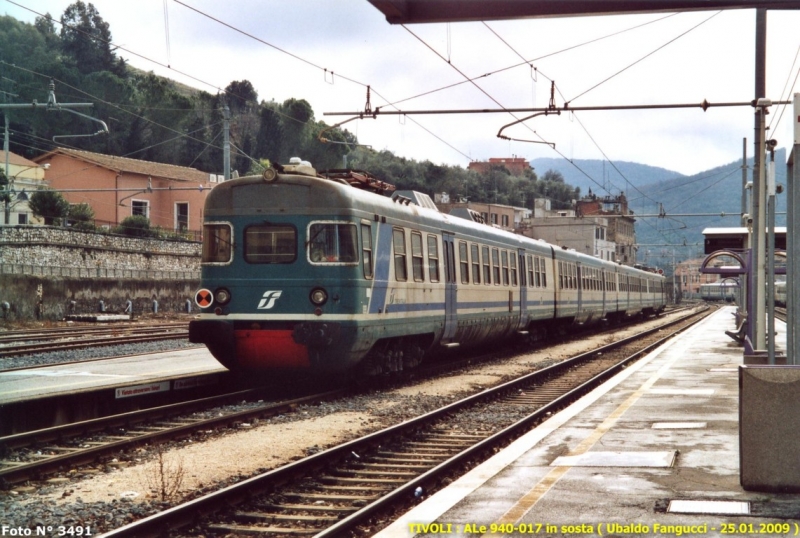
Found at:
<point>523,290</point>
<point>579,284</point>
<point>450,290</point>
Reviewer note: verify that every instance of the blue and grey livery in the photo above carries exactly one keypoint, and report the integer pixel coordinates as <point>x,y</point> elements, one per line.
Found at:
<point>305,272</point>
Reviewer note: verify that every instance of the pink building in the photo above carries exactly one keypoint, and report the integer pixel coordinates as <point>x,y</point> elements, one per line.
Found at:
<point>172,197</point>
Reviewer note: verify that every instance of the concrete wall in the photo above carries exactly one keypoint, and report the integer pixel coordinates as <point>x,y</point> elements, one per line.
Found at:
<point>48,272</point>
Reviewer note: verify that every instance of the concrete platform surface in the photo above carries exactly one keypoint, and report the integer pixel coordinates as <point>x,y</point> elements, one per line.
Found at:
<point>135,370</point>
<point>653,452</point>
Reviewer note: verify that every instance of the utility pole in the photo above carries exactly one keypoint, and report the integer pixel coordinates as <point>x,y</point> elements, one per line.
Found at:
<point>226,145</point>
<point>51,105</point>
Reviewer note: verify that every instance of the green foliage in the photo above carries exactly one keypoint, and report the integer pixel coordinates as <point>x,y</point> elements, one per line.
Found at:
<point>81,217</point>
<point>136,226</point>
<point>155,119</point>
<point>49,205</point>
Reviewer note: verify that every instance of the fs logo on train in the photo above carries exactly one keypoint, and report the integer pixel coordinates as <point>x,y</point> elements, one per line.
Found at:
<point>268,299</point>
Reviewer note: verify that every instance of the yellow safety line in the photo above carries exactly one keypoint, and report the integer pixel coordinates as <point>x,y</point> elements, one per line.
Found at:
<point>529,500</point>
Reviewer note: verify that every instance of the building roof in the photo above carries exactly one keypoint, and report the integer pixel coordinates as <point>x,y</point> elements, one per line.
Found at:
<point>16,160</point>
<point>133,166</point>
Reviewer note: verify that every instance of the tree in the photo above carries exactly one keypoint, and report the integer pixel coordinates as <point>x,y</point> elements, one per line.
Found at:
<point>49,205</point>
<point>86,38</point>
<point>553,176</point>
<point>81,216</point>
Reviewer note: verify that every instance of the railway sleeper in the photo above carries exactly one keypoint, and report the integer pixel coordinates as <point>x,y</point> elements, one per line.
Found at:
<point>351,480</point>
<point>392,466</point>
<point>366,473</point>
<point>259,516</point>
<point>242,529</point>
<point>310,508</point>
<point>326,497</point>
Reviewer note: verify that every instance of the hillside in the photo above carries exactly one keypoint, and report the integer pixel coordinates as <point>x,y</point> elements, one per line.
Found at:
<point>691,203</point>
<point>595,174</point>
<point>714,191</point>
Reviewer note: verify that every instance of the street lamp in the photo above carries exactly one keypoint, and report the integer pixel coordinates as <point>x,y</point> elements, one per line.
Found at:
<point>9,192</point>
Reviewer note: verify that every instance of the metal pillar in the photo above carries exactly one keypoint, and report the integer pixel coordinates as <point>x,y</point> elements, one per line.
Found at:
<point>793,243</point>
<point>756,310</point>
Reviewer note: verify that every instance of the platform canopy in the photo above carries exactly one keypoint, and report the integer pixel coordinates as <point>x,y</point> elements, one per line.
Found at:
<point>418,11</point>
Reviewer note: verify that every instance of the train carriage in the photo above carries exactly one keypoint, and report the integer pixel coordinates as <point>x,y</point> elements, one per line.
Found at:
<point>302,272</point>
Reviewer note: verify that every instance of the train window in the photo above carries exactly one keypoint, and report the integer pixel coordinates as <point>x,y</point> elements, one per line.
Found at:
<point>573,270</point>
<point>400,266</point>
<point>561,275</point>
<point>544,272</point>
<point>476,263</point>
<point>504,256</point>
<point>217,246</point>
<point>513,269</point>
<point>463,261</point>
<point>433,258</point>
<point>496,266</point>
<point>271,243</point>
<point>530,271</point>
<point>417,261</point>
<point>332,242</point>
<point>523,273</point>
<point>487,272</point>
<point>366,249</point>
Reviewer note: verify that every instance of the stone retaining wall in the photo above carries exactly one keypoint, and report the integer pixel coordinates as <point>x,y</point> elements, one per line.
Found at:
<point>47,272</point>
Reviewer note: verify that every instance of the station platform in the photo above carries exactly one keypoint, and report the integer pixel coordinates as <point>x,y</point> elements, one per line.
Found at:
<point>129,375</point>
<point>652,452</point>
<point>36,398</point>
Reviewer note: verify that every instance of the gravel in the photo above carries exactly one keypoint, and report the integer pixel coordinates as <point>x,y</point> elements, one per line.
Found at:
<point>284,438</point>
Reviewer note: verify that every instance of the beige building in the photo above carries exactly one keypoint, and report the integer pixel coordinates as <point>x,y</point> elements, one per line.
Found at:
<point>24,178</point>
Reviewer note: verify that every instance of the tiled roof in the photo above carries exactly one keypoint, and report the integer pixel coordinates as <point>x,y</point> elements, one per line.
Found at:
<point>13,158</point>
<point>134,166</point>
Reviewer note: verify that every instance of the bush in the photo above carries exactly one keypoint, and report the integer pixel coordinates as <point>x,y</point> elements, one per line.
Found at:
<point>136,226</point>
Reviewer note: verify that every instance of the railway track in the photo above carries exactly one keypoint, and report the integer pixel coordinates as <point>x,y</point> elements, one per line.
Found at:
<point>38,454</point>
<point>334,491</point>
<point>35,455</point>
<point>14,343</point>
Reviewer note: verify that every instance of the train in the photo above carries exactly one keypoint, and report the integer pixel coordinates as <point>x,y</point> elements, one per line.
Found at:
<point>780,293</point>
<point>326,273</point>
<point>726,291</point>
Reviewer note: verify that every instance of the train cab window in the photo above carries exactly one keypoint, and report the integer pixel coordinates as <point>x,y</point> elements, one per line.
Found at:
<point>400,265</point>
<point>504,256</point>
<point>271,243</point>
<point>417,261</point>
<point>332,242</point>
<point>217,245</point>
<point>476,263</point>
<point>463,262</point>
<point>513,261</point>
<point>487,272</point>
<point>433,258</point>
<point>366,249</point>
<point>496,266</point>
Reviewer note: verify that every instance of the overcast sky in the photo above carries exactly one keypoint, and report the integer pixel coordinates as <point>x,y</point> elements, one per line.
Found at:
<point>677,58</point>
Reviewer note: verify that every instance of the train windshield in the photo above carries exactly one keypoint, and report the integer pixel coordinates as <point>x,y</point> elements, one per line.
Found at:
<point>332,242</point>
<point>217,247</point>
<point>270,243</point>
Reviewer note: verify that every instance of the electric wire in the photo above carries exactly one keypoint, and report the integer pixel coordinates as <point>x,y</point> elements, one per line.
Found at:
<point>643,57</point>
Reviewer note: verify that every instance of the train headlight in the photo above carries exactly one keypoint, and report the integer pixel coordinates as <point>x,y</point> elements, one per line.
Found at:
<point>270,175</point>
<point>318,296</point>
<point>222,296</point>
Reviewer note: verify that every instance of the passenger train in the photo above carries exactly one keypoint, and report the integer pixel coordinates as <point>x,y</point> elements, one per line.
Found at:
<point>325,273</point>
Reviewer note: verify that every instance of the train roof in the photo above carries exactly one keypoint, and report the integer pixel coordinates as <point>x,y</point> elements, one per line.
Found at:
<point>318,194</point>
